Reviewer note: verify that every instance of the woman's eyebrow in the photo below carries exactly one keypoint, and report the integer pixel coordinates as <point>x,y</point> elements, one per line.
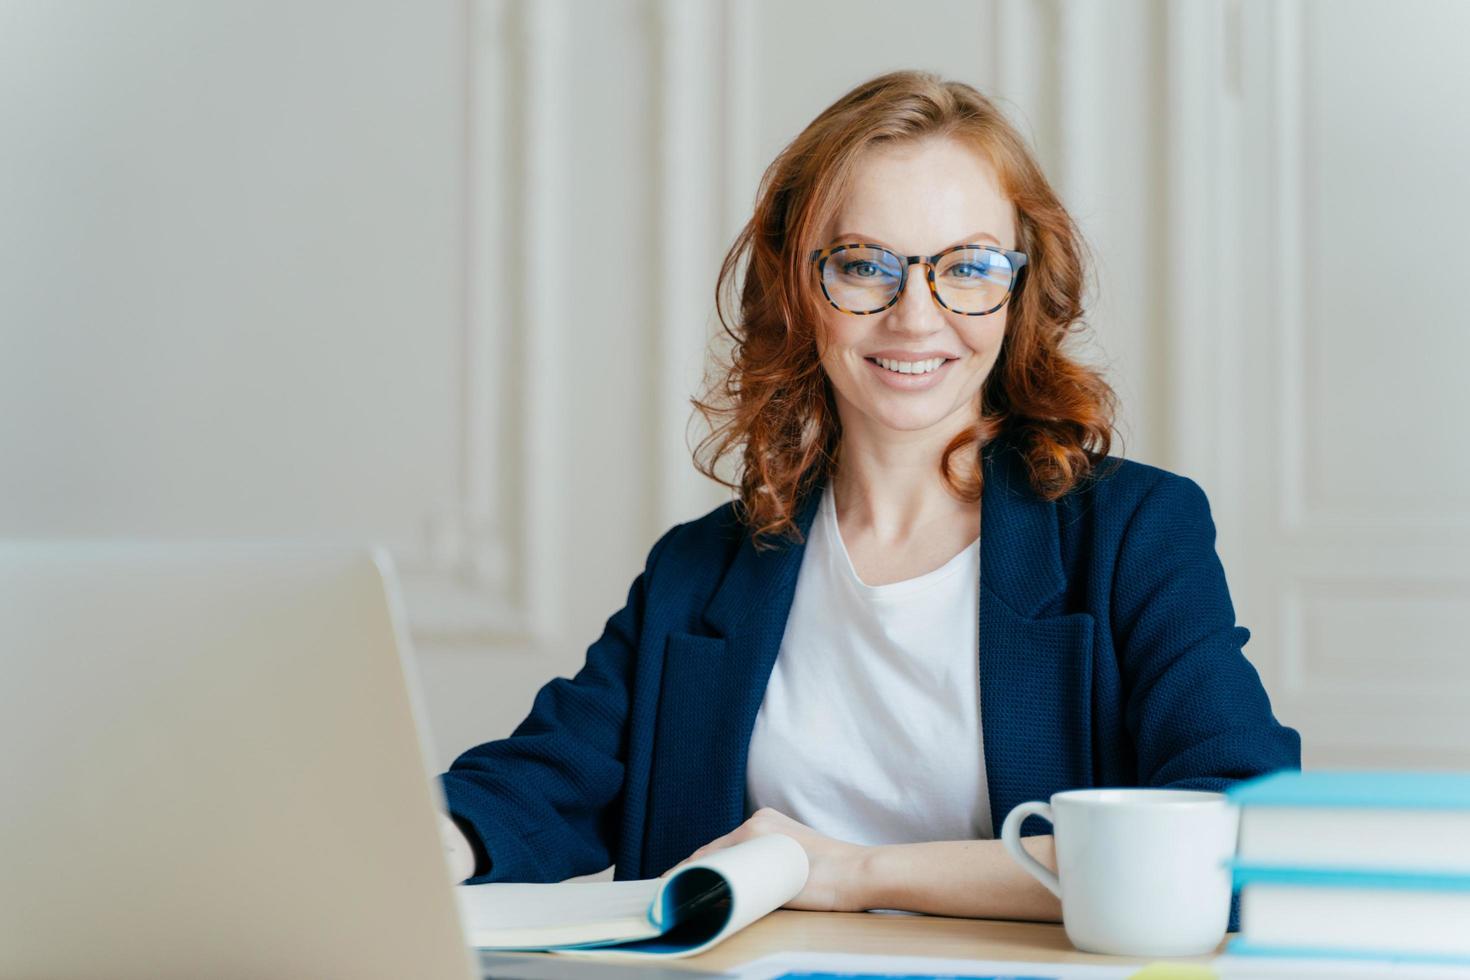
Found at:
<point>845,237</point>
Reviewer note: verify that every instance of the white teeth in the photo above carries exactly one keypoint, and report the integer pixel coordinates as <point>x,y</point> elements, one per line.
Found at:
<point>911,367</point>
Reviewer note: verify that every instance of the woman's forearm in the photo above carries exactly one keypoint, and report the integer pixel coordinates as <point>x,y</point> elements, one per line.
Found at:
<point>972,879</point>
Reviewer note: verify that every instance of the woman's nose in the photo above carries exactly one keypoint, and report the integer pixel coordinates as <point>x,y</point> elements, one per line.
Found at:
<point>916,302</point>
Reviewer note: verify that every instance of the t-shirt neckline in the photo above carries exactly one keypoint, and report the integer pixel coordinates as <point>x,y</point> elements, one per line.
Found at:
<point>903,587</point>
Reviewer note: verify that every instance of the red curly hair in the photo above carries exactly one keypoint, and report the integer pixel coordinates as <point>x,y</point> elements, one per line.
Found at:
<point>772,400</point>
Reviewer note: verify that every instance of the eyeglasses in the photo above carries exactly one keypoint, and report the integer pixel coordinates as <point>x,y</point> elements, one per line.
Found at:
<point>969,279</point>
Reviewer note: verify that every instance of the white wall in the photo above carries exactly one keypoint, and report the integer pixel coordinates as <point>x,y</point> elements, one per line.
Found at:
<point>278,269</point>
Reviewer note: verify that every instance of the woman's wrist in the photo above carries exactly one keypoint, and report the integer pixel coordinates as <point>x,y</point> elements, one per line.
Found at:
<point>870,878</point>
<point>975,879</point>
<point>886,880</point>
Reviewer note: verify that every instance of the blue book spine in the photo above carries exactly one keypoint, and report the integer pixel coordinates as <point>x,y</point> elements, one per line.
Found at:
<point>1247,873</point>
<point>1372,789</point>
<point>1240,946</point>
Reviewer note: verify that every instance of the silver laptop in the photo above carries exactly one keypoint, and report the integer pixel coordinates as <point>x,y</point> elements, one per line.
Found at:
<point>212,764</point>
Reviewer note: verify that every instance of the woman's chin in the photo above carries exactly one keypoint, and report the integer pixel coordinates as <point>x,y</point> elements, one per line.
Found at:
<point>910,418</point>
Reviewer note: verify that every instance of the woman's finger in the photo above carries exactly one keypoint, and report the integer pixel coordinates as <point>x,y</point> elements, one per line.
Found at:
<point>693,857</point>
<point>733,837</point>
<point>745,831</point>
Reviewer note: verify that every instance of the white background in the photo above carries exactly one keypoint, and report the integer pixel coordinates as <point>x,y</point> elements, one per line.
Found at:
<point>288,269</point>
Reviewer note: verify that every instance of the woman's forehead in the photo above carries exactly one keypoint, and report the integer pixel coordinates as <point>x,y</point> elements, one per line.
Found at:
<point>922,197</point>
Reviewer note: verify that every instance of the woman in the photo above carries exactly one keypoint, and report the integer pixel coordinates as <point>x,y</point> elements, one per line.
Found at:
<point>808,658</point>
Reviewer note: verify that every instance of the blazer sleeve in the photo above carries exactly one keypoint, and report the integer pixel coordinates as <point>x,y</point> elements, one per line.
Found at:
<point>541,804</point>
<point>1194,705</point>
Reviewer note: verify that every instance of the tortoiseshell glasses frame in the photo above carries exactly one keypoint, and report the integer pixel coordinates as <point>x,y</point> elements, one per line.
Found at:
<point>1017,262</point>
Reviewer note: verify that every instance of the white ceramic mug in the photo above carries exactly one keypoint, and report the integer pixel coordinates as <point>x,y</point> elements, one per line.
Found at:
<point>1141,872</point>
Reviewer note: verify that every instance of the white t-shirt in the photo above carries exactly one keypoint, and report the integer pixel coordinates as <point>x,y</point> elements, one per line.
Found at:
<point>869,730</point>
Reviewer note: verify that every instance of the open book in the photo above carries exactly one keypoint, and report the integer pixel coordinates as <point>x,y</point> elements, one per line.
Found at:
<point>686,913</point>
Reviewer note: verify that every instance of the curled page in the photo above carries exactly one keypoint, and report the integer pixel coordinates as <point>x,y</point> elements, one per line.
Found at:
<point>712,898</point>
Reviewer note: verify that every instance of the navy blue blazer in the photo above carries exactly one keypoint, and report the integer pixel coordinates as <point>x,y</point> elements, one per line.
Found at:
<point>1109,656</point>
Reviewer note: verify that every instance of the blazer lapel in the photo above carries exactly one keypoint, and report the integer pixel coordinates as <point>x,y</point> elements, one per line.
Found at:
<point>1035,665</point>
<point>746,619</point>
<point>1035,669</point>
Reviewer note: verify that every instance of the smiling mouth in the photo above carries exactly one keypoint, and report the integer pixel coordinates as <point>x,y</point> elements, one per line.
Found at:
<point>912,368</point>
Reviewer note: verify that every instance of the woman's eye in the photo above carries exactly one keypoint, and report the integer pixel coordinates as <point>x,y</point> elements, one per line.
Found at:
<point>966,270</point>
<point>863,270</point>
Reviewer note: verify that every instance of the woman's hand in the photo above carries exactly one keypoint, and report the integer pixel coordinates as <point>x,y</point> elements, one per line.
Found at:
<point>834,883</point>
<point>457,851</point>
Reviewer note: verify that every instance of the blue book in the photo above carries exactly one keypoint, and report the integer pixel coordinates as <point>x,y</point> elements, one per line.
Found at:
<point>1352,913</point>
<point>1361,864</point>
<point>1391,821</point>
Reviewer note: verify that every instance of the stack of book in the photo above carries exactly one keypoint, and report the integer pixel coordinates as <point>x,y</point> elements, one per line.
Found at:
<point>1354,865</point>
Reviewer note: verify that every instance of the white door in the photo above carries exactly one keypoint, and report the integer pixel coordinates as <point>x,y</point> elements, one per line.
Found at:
<point>1350,402</point>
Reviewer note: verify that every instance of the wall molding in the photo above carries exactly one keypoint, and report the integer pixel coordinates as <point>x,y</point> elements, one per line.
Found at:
<point>484,572</point>
<point>1299,516</point>
<point>685,191</point>
<point>1286,110</point>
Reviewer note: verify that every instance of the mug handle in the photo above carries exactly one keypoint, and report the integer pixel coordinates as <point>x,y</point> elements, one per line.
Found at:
<point>1010,836</point>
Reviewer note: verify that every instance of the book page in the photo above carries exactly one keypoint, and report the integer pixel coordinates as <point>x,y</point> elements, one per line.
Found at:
<point>683,914</point>
<point>503,915</point>
<point>759,876</point>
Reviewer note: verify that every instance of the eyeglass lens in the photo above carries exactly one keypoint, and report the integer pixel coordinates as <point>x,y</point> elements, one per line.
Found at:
<point>968,280</point>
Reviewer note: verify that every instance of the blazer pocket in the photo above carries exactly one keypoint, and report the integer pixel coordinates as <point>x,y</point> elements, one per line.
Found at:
<point>1036,688</point>
<point>687,735</point>
<point>688,698</point>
